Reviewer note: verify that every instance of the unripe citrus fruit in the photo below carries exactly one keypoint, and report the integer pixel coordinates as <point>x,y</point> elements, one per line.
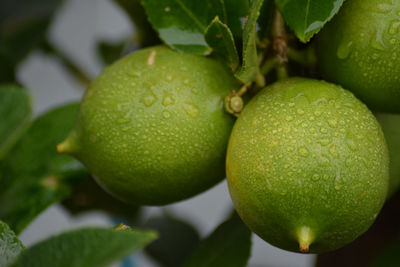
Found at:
<point>390,124</point>
<point>360,50</point>
<point>307,166</point>
<point>152,129</point>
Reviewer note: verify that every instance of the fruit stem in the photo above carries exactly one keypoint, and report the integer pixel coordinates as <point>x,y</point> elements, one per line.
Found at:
<point>280,44</point>
<point>305,238</point>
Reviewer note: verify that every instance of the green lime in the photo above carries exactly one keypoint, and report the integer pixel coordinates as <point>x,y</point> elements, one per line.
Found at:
<point>390,124</point>
<point>307,166</point>
<point>152,129</point>
<point>360,50</point>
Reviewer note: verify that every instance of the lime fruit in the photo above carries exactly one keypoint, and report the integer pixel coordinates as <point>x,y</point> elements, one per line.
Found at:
<point>390,124</point>
<point>152,129</point>
<point>360,50</point>
<point>307,166</point>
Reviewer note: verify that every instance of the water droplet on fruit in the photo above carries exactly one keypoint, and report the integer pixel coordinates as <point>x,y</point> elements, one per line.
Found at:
<point>194,90</point>
<point>289,118</point>
<point>149,98</point>
<point>377,42</point>
<point>394,27</point>
<point>168,100</point>
<point>315,177</point>
<point>191,109</point>
<point>300,111</point>
<point>344,50</point>
<point>333,122</point>
<point>303,151</point>
<point>333,151</point>
<point>323,130</point>
<point>166,114</point>
<point>383,8</point>
<point>169,77</point>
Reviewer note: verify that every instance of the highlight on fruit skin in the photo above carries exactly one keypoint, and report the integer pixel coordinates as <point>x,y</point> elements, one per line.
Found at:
<point>151,127</point>
<point>307,166</point>
<point>360,50</point>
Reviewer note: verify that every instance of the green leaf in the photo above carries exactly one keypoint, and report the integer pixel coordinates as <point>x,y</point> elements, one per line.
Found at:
<point>220,38</point>
<point>177,240</point>
<point>250,69</point>
<point>181,23</point>
<point>23,27</point>
<point>86,247</point>
<point>33,176</point>
<point>10,246</point>
<point>236,12</point>
<point>307,17</point>
<point>228,245</point>
<point>89,196</point>
<point>144,33</point>
<point>15,114</point>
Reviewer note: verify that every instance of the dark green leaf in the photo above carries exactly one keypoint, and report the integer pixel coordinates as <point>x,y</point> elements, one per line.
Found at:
<point>182,23</point>
<point>265,18</point>
<point>86,247</point>
<point>220,38</point>
<point>145,35</point>
<point>229,245</point>
<point>88,196</point>
<point>236,12</point>
<point>177,240</point>
<point>250,69</point>
<point>33,176</point>
<point>23,26</point>
<point>307,17</point>
<point>10,245</point>
<point>15,114</point>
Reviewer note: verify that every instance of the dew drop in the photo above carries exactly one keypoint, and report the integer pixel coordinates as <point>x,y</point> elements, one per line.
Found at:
<point>149,98</point>
<point>394,27</point>
<point>303,151</point>
<point>194,91</point>
<point>166,114</point>
<point>315,177</point>
<point>168,100</point>
<point>344,50</point>
<point>191,109</point>
<point>333,123</point>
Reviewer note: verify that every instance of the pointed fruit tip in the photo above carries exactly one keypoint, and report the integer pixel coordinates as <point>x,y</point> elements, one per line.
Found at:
<point>305,238</point>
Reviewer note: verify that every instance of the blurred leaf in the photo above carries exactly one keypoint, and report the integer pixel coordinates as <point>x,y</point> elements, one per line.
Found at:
<point>229,245</point>
<point>15,114</point>
<point>182,23</point>
<point>86,247</point>
<point>249,69</point>
<point>109,52</point>
<point>265,18</point>
<point>307,17</point>
<point>391,128</point>
<point>33,176</point>
<point>88,196</point>
<point>10,245</point>
<point>220,38</point>
<point>390,257</point>
<point>145,34</point>
<point>177,240</point>
<point>23,26</point>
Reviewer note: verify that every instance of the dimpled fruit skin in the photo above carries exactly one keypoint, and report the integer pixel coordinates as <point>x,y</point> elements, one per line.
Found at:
<point>390,124</point>
<point>151,128</point>
<point>307,154</point>
<point>360,50</point>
